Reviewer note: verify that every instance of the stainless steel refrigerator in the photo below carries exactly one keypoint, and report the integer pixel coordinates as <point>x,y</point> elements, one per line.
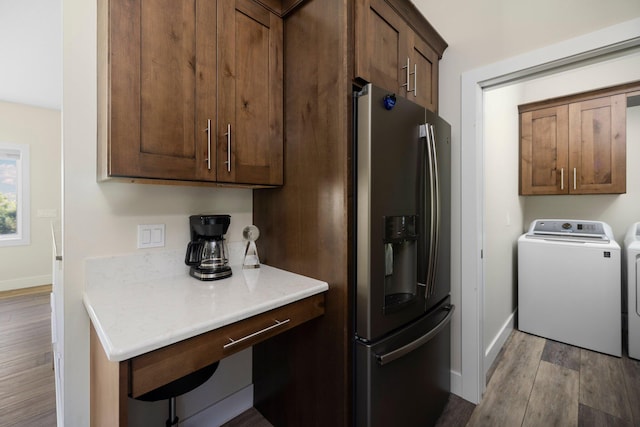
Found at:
<point>403,309</point>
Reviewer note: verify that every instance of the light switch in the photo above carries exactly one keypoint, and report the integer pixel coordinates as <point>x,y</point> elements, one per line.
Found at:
<point>47,213</point>
<point>150,235</point>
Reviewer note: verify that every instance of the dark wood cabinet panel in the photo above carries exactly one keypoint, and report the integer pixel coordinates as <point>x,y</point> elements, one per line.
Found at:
<point>250,117</point>
<point>380,39</point>
<point>425,79</point>
<point>597,141</point>
<point>544,140</point>
<point>305,225</point>
<point>393,54</point>
<point>156,70</point>
<point>575,144</point>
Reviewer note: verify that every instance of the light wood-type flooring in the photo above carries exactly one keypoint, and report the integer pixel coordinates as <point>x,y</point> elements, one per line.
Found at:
<point>535,382</point>
<point>27,390</point>
<point>541,383</point>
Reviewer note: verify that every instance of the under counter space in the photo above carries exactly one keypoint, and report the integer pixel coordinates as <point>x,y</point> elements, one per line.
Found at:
<point>151,327</point>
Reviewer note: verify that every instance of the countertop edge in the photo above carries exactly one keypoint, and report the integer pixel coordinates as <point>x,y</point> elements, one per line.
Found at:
<point>121,354</point>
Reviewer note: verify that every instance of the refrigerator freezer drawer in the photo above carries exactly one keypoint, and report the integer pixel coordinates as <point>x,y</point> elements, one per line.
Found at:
<point>404,379</point>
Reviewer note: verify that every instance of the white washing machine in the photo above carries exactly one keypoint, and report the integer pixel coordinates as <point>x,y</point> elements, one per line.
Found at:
<point>569,287</point>
<point>632,271</point>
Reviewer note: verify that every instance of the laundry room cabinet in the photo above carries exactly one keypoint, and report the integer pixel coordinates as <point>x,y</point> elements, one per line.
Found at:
<point>397,51</point>
<point>575,144</point>
<point>190,91</point>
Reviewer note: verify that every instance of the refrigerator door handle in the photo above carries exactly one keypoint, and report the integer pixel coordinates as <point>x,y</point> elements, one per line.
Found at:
<point>389,357</point>
<point>436,233</point>
<point>433,207</point>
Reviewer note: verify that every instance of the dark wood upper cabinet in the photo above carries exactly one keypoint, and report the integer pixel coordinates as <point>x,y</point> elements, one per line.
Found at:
<point>397,49</point>
<point>250,106</point>
<point>575,144</point>
<point>544,150</point>
<point>597,145</point>
<point>165,100</point>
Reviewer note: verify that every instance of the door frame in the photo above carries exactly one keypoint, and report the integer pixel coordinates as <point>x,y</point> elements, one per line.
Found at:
<point>595,46</point>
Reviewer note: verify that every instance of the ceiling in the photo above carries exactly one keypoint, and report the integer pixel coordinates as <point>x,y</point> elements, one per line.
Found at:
<point>31,35</point>
<point>481,32</point>
<point>31,52</point>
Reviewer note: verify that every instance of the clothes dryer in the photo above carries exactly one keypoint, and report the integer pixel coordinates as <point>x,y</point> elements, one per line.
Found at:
<point>632,274</point>
<point>569,287</point>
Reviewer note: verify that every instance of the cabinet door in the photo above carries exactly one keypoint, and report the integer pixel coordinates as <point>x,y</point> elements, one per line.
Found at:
<point>381,40</point>
<point>424,81</point>
<point>162,88</point>
<point>543,151</point>
<point>250,91</point>
<point>597,141</point>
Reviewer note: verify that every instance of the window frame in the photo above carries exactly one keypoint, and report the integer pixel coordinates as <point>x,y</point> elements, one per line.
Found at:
<point>23,197</point>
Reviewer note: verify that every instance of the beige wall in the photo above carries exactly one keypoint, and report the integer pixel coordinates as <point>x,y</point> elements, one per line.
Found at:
<point>39,128</point>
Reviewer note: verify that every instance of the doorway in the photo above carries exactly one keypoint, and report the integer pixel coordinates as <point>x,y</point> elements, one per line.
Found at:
<point>614,41</point>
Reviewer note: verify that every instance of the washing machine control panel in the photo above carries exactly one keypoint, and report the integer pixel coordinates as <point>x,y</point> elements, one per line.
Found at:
<point>563,227</point>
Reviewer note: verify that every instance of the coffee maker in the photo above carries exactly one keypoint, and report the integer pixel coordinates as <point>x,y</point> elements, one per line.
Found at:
<point>207,251</point>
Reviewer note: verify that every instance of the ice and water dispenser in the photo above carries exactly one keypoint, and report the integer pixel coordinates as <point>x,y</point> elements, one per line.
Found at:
<point>400,261</point>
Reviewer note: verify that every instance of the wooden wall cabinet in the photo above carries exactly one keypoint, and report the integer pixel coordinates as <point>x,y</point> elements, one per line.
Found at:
<point>398,50</point>
<point>174,74</point>
<point>575,144</point>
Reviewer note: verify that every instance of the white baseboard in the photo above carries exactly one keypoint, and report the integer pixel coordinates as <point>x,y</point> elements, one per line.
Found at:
<point>498,342</point>
<point>222,411</point>
<point>24,282</point>
<point>456,383</point>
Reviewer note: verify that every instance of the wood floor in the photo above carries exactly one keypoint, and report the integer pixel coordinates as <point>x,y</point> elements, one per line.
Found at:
<point>542,383</point>
<point>539,382</point>
<point>27,390</point>
<point>536,382</point>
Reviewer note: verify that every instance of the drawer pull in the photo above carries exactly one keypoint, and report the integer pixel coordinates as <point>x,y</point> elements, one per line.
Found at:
<point>261,331</point>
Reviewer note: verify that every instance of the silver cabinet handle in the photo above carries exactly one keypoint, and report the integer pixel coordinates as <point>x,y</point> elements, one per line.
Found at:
<point>574,178</point>
<point>406,67</point>
<point>261,331</point>
<point>208,131</point>
<point>562,178</point>
<point>228,134</point>
<point>415,80</point>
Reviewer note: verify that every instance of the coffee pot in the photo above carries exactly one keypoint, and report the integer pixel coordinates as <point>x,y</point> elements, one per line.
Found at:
<point>207,253</point>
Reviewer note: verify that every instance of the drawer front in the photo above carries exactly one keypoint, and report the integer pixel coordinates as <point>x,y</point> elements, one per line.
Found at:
<point>154,369</point>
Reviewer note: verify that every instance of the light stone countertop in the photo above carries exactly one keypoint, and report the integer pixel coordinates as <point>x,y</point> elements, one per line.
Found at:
<point>140,303</point>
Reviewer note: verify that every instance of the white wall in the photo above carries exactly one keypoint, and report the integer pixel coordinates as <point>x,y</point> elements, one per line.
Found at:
<point>39,128</point>
<point>31,52</point>
<point>502,203</point>
<point>503,215</point>
<point>101,218</point>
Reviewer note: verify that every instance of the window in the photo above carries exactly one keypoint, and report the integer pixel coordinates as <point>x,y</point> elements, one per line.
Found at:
<point>14,194</point>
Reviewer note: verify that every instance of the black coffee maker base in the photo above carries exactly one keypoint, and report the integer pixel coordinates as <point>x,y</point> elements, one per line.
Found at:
<point>208,274</point>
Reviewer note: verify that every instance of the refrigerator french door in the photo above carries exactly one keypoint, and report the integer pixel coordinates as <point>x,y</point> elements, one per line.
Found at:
<point>403,310</point>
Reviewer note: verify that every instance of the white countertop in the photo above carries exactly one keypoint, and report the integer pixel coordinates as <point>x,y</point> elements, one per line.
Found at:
<point>135,316</point>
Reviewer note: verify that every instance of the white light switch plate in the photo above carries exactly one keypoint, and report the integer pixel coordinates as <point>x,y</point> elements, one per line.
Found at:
<point>150,236</point>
